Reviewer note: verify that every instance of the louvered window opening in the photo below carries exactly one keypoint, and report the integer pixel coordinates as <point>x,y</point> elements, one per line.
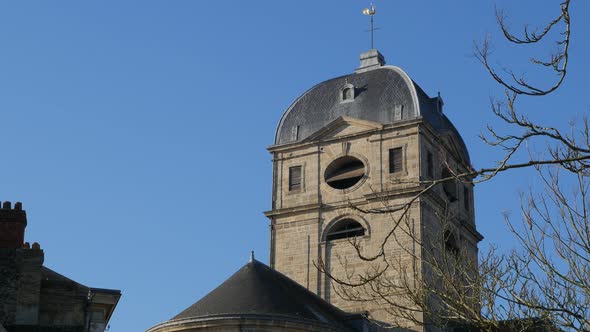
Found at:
<point>344,172</point>
<point>449,186</point>
<point>395,160</point>
<point>295,133</point>
<point>429,165</point>
<point>345,229</point>
<point>466,198</point>
<point>451,243</point>
<point>294,178</point>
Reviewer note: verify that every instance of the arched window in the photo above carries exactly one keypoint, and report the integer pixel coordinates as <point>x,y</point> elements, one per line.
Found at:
<point>345,228</point>
<point>347,93</point>
<point>451,243</point>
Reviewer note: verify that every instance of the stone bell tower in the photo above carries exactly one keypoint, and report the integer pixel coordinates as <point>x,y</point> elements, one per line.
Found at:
<point>364,141</point>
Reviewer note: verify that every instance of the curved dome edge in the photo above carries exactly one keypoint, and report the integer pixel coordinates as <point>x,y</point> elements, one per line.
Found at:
<point>295,103</point>
<point>411,85</point>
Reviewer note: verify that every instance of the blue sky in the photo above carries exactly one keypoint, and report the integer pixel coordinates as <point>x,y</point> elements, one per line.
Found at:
<point>135,132</point>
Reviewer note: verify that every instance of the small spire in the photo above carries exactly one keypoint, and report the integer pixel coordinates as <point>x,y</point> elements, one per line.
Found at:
<point>252,256</point>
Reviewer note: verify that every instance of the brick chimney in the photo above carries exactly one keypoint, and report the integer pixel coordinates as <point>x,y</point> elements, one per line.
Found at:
<point>12,225</point>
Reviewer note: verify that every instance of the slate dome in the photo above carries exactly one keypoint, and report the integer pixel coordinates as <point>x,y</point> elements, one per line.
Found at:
<point>383,94</point>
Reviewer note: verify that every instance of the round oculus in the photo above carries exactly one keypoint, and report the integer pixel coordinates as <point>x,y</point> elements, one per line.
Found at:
<point>344,172</point>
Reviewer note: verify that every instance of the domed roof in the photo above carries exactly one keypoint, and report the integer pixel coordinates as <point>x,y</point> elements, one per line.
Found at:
<point>380,92</point>
<point>258,292</point>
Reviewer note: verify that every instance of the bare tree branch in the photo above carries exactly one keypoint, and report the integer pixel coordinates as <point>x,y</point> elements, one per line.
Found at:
<point>544,284</point>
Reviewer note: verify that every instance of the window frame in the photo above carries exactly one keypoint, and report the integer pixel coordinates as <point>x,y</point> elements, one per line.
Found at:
<point>347,94</point>
<point>392,163</point>
<point>466,199</point>
<point>340,164</point>
<point>344,96</point>
<point>449,187</point>
<point>340,232</point>
<point>450,243</point>
<point>429,164</point>
<point>291,186</point>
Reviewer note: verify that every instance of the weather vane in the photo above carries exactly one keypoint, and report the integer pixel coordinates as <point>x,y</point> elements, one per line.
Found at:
<point>370,12</point>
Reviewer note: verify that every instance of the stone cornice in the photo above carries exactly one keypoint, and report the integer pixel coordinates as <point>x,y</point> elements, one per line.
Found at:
<point>309,143</point>
<point>369,198</point>
<point>239,321</point>
<point>301,208</point>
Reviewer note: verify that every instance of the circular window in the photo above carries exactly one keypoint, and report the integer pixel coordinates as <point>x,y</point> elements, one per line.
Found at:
<point>344,172</point>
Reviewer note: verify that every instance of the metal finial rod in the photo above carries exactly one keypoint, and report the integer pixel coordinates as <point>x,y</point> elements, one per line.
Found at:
<point>251,256</point>
<point>372,31</point>
<point>371,12</point>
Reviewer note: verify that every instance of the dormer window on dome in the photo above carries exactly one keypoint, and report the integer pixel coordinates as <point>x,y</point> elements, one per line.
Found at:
<point>439,103</point>
<point>347,93</point>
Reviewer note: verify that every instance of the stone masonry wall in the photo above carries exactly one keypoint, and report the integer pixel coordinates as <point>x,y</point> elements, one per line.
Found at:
<point>302,218</point>
<point>29,286</point>
<point>299,231</point>
<point>8,285</point>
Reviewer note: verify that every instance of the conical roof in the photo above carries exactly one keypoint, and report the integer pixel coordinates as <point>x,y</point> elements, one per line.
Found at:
<point>256,289</point>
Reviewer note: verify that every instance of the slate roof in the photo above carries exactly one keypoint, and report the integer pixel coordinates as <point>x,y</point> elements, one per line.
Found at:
<point>48,276</point>
<point>256,289</point>
<point>51,279</point>
<point>34,328</point>
<point>377,91</point>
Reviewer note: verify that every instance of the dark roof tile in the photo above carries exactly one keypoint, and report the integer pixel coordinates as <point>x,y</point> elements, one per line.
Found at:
<point>378,91</point>
<point>258,289</point>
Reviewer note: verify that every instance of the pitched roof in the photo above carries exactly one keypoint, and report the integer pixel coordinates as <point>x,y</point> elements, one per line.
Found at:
<point>108,298</point>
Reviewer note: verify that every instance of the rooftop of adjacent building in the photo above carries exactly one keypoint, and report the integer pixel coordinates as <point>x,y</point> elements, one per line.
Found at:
<point>22,256</point>
<point>257,291</point>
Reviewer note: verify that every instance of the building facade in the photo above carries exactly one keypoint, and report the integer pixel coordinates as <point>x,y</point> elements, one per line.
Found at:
<point>352,160</point>
<point>349,155</point>
<point>35,298</point>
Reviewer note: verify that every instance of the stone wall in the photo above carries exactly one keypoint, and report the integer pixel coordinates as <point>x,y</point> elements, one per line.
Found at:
<point>304,217</point>
<point>8,284</point>
<point>29,286</point>
<point>300,219</point>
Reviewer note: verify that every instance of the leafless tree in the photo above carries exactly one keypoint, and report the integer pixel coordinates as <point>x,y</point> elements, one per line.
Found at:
<point>549,274</point>
<point>544,283</point>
